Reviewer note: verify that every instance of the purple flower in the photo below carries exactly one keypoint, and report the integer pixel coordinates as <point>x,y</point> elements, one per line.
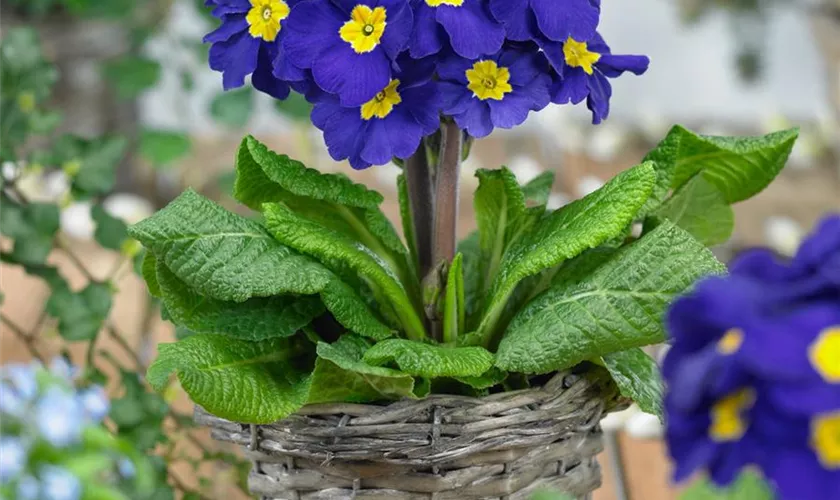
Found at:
<point>471,29</point>
<point>494,91</point>
<point>350,46</point>
<point>249,41</point>
<point>389,125</point>
<point>534,19</point>
<point>754,372</point>
<point>583,69</point>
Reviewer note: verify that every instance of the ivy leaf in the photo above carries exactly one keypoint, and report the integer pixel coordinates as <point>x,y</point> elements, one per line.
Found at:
<point>341,375</point>
<point>578,226</point>
<point>538,189</point>
<point>255,319</point>
<point>110,232</point>
<point>739,167</point>
<point>80,314</point>
<point>32,227</point>
<point>161,147</point>
<point>132,75</point>
<point>748,486</point>
<point>453,305</point>
<point>637,377</point>
<point>699,208</point>
<point>343,254</point>
<point>617,307</point>
<point>226,257</point>
<point>430,361</point>
<point>97,165</point>
<point>233,108</point>
<point>248,382</point>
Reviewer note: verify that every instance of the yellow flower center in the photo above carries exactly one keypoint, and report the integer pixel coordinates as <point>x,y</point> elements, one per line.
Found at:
<point>365,28</point>
<point>728,422</point>
<point>264,18</point>
<point>824,354</point>
<point>578,55</point>
<point>489,81</point>
<point>731,341</point>
<point>825,439</point>
<point>438,3</point>
<point>383,103</point>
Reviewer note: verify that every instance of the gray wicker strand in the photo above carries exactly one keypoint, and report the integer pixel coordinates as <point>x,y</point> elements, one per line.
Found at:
<point>444,447</point>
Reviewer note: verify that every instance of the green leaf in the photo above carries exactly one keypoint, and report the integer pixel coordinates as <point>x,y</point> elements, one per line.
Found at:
<point>110,232</point>
<point>343,254</point>
<point>160,147</point>
<point>407,220</point>
<point>132,75</point>
<point>98,161</point>
<point>341,375</point>
<point>149,272</point>
<point>255,319</point>
<point>620,305</point>
<point>226,257</point>
<point>470,248</point>
<point>248,382</point>
<point>699,208</point>
<point>739,167</point>
<point>546,494</point>
<point>295,108</point>
<point>566,233</point>
<point>453,305</point>
<point>32,227</point>
<point>749,486</point>
<point>500,212</point>
<point>538,189</point>
<point>430,361</point>
<point>491,378</point>
<point>233,108</point>
<point>637,377</point>
<point>80,314</point>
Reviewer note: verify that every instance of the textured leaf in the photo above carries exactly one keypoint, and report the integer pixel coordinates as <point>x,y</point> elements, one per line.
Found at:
<point>500,212</point>
<point>583,224</point>
<point>331,200</point>
<point>748,486</point>
<point>486,380</point>
<point>341,253</point>
<point>407,221</point>
<point>248,382</point>
<point>255,319</point>
<point>699,208</point>
<point>341,375</point>
<point>453,305</point>
<point>538,189</point>
<point>469,247</point>
<point>637,377</point>
<point>149,272</point>
<point>226,257</point>
<point>431,361</point>
<point>739,167</point>
<point>617,307</point>
<point>110,232</point>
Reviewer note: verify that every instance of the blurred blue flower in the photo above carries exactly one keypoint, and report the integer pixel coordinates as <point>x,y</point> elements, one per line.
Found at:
<point>95,402</point>
<point>62,368</point>
<point>13,457</point>
<point>59,484</point>
<point>59,417</point>
<point>10,402</point>
<point>28,488</point>
<point>22,378</point>
<point>753,375</point>
<point>126,468</point>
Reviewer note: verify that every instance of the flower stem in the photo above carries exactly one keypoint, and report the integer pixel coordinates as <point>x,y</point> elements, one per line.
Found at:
<point>446,203</point>
<point>421,200</point>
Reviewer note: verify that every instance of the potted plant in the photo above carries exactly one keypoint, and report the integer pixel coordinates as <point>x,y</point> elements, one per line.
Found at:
<point>355,363</point>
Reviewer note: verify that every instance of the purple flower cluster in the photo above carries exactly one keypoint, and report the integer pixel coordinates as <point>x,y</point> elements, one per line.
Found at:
<point>754,371</point>
<point>380,73</point>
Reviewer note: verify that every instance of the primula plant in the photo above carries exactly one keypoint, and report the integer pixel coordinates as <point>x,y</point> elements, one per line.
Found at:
<point>316,297</point>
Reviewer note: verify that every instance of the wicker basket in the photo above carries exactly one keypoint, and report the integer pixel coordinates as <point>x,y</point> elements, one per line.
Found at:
<point>503,446</point>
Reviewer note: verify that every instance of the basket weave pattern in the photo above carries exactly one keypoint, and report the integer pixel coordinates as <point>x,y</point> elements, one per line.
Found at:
<point>503,446</point>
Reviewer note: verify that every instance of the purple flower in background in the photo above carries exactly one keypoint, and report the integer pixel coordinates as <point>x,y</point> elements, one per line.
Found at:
<point>95,402</point>
<point>584,69</point>
<point>28,488</point>
<point>12,457</point>
<point>391,124</point>
<point>248,42</point>
<point>467,24</point>
<point>59,484</point>
<point>552,19</point>
<point>495,91</point>
<point>350,46</point>
<point>754,372</point>
<point>59,417</point>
